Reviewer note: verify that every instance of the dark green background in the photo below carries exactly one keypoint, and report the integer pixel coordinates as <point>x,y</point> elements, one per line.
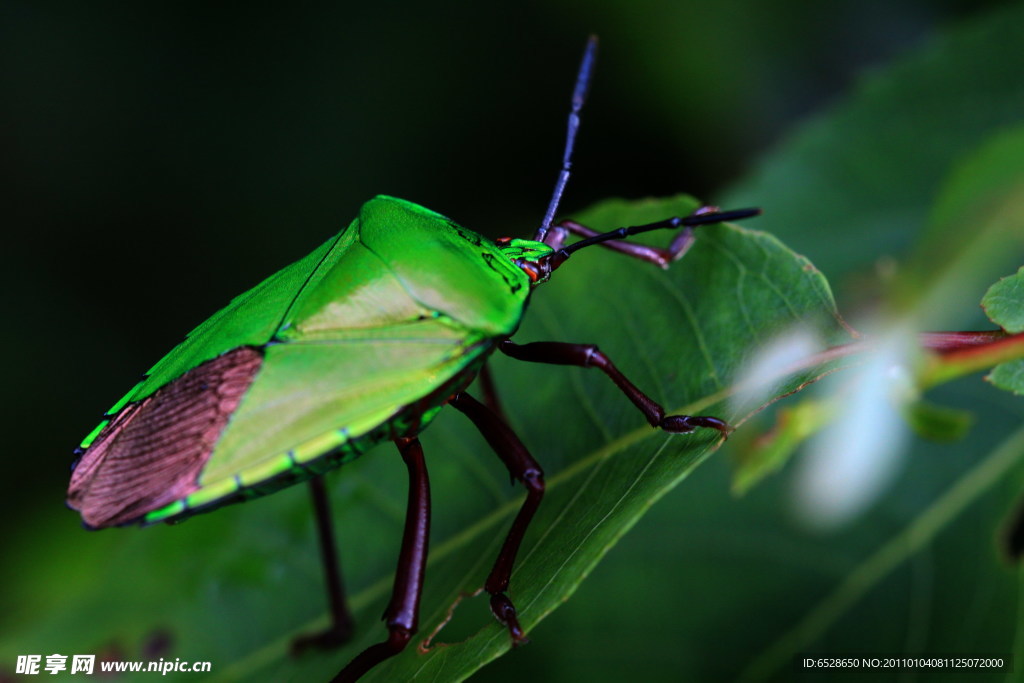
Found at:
<point>158,159</point>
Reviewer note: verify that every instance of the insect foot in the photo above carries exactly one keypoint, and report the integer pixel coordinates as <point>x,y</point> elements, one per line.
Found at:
<point>398,638</point>
<point>684,424</point>
<point>505,612</point>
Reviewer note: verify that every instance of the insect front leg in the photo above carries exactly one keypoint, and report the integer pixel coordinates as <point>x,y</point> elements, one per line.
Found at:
<point>403,612</point>
<point>589,356</point>
<point>342,623</point>
<point>662,258</point>
<point>523,467</point>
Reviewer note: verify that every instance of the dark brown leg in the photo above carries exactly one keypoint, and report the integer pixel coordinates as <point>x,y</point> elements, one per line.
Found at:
<point>589,356</point>
<point>660,257</point>
<point>490,390</point>
<point>523,467</point>
<point>341,619</point>
<point>402,613</point>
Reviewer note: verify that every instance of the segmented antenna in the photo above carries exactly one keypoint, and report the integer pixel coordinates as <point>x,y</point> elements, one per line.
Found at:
<point>579,96</point>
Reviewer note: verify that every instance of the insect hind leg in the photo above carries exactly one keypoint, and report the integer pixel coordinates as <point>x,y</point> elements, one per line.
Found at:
<point>402,613</point>
<point>342,624</point>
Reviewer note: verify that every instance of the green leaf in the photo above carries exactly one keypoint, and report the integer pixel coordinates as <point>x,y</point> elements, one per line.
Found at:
<point>1004,305</point>
<point>236,586</point>
<point>1004,302</point>
<point>1008,376</point>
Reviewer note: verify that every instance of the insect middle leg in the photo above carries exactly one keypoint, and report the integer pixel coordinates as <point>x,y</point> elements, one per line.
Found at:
<point>402,613</point>
<point>342,624</point>
<point>662,258</point>
<point>589,356</point>
<point>523,467</point>
<point>490,390</point>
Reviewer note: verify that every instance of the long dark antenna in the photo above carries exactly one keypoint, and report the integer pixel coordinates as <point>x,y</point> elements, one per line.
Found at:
<point>579,96</point>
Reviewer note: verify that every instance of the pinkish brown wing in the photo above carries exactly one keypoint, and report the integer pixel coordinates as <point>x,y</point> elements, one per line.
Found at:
<point>152,452</point>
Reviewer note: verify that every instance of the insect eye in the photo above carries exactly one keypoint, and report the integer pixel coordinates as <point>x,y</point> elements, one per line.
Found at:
<point>530,269</point>
<point>503,241</point>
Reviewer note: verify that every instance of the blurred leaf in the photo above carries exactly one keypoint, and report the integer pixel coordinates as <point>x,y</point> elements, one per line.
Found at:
<point>1009,376</point>
<point>975,233</point>
<point>768,453</point>
<point>795,423</point>
<point>858,181</point>
<point>867,574</point>
<point>985,192</point>
<point>942,357</point>
<point>937,423</point>
<point>235,587</point>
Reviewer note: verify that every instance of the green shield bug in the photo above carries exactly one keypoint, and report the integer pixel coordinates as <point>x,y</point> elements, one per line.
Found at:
<point>362,341</point>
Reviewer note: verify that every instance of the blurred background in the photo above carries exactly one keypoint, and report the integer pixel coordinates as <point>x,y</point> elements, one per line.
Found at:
<point>158,158</point>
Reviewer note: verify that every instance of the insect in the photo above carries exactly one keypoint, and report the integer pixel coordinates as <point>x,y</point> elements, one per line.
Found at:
<point>362,341</point>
